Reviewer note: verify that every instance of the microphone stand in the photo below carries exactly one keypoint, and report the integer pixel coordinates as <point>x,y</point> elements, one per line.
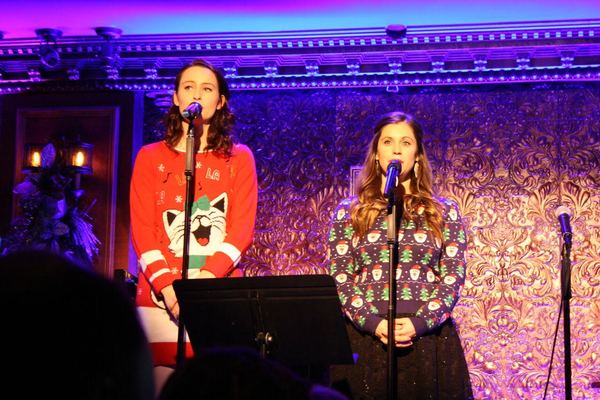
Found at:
<point>190,175</point>
<point>392,235</point>
<point>566,297</point>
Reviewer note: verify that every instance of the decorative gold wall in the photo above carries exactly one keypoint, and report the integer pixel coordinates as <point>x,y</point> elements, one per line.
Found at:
<point>528,153</point>
<point>510,155</point>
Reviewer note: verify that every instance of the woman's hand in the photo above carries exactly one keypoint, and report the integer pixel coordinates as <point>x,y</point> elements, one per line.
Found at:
<point>404,332</point>
<point>170,299</point>
<point>205,275</point>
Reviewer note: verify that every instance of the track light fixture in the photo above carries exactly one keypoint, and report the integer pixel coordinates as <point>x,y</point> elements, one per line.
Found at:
<point>109,34</point>
<point>395,31</point>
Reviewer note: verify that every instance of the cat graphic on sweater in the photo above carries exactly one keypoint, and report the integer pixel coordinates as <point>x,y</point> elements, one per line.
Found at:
<point>208,230</point>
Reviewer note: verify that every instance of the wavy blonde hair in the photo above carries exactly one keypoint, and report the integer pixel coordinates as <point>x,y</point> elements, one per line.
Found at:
<point>370,202</point>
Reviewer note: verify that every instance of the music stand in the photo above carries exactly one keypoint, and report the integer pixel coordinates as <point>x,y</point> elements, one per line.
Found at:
<point>295,320</point>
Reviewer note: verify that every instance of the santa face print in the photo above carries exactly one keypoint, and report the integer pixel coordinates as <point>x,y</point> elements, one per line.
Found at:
<point>341,278</point>
<point>415,271</point>
<point>420,236</point>
<point>377,272</point>
<point>373,236</point>
<point>340,214</point>
<point>449,279</point>
<point>430,276</point>
<point>342,247</point>
<point>453,214</point>
<point>434,305</point>
<point>357,302</point>
<point>451,249</point>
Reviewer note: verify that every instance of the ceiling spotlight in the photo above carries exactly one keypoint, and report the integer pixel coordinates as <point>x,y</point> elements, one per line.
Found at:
<point>48,34</point>
<point>108,32</point>
<point>48,54</point>
<point>108,53</point>
<point>395,31</point>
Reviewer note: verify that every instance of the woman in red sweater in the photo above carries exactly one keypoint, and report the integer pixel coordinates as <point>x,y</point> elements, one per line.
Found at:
<point>223,210</point>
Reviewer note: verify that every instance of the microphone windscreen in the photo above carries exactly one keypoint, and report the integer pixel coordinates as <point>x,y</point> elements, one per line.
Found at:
<point>395,164</point>
<point>562,210</point>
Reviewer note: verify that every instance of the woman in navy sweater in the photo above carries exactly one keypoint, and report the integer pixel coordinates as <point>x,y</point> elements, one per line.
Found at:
<point>429,275</point>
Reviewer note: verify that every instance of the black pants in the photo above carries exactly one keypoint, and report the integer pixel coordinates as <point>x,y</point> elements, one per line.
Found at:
<point>434,367</point>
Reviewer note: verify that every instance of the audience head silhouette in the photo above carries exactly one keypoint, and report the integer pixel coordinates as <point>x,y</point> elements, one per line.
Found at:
<point>69,332</point>
<point>239,374</point>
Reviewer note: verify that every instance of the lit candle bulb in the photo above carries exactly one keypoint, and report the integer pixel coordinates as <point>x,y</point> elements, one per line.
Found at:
<point>36,159</point>
<point>78,159</point>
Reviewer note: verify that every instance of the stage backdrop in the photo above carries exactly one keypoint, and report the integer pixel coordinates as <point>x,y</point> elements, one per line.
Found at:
<point>509,155</point>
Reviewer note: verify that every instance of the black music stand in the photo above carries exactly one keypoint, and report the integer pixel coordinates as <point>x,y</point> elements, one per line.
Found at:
<point>295,320</point>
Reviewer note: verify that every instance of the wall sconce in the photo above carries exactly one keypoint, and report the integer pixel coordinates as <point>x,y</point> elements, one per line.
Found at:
<point>76,158</point>
<point>79,160</point>
<point>79,157</point>
<point>32,162</point>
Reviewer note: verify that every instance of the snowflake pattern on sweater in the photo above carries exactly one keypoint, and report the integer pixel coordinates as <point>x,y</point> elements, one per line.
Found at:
<point>429,276</point>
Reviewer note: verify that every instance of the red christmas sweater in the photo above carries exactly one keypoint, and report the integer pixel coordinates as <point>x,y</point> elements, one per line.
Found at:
<point>222,226</point>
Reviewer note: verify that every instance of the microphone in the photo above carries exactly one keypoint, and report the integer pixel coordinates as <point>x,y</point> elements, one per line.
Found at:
<point>564,215</point>
<point>192,111</point>
<point>393,172</point>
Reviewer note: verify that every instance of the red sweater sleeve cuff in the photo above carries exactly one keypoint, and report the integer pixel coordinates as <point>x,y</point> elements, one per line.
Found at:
<point>160,277</point>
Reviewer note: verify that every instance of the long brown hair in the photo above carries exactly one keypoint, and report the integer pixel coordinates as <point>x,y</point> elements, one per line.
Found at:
<point>221,124</point>
<point>370,202</point>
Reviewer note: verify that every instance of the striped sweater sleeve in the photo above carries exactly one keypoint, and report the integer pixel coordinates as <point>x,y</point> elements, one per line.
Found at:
<point>144,228</point>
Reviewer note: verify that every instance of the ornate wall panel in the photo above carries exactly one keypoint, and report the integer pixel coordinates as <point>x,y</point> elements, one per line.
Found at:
<point>509,155</point>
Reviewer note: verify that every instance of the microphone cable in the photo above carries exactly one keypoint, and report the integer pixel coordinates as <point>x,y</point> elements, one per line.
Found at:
<point>564,252</point>
<point>553,347</point>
